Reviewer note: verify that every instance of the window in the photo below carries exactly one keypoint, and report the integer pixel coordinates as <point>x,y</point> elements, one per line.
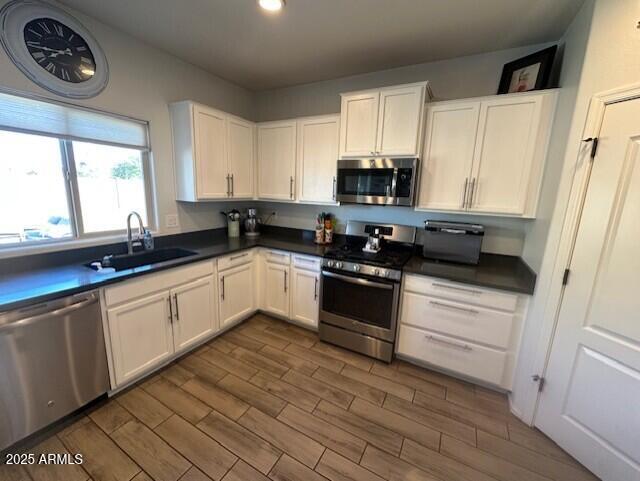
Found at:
<point>65,181</point>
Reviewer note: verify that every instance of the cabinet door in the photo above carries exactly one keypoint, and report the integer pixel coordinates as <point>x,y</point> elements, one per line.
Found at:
<point>193,312</point>
<point>277,160</point>
<point>448,155</point>
<point>318,158</point>
<point>141,335</point>
<point>240,146</point>
<point>276,288</point>
<point>399,121</point>
<point>358,124</point>
<point>305,292</point>
<point>210,153</point>
<point>504,154</point>
<point>236,294</point>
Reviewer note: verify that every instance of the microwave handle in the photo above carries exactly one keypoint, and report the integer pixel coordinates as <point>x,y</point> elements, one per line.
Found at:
<point>394,183</point>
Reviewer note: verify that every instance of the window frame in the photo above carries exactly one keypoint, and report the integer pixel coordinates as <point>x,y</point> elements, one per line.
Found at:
<point>70,177</point>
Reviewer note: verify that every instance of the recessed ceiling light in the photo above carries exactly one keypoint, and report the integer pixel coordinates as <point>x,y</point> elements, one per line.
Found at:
<point>271,5</point>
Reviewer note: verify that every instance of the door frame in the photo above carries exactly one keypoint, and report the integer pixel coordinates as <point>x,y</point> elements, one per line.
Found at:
<point>569,223</point>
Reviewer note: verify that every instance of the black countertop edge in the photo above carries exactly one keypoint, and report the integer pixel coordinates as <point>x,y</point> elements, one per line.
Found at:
<point>496,271</point>
<point>25,281</point>
<point>20,287</point>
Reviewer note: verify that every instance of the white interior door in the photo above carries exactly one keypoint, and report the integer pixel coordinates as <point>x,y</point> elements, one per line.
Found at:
<point>277,160</point>
<point>590,404</point>
<point>240,145</point>
<point>448,156</point>
<point>318,158</point>
<point>399,121</point>
<point>195,315</point>
<point>359,124</point>
<point>211,154</point>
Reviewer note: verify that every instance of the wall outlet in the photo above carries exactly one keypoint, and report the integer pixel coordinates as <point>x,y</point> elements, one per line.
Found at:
<point>171,221</point>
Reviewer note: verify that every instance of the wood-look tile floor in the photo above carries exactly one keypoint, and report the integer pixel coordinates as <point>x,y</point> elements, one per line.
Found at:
<point>268,401</point>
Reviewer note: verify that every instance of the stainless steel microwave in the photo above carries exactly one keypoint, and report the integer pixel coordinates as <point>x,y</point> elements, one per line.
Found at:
<point>377,181</point>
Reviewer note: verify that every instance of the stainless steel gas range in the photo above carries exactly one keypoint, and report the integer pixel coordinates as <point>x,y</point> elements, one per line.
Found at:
<point>360,288</point>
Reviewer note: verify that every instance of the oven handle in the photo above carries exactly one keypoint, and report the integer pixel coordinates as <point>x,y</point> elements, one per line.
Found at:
<point>357,280</point>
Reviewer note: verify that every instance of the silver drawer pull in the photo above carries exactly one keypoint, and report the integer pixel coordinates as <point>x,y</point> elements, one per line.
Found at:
<point>464,347</point>
<point>456,288</point>
<point>233,258</point>
<point>455,308</point>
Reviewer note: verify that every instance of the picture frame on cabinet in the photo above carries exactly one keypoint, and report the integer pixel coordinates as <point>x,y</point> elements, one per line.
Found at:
<point>525,74</point>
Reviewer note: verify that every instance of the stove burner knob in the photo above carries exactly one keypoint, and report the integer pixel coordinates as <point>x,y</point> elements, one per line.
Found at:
<point>376,272</point>
<point>339,265</point>
<point>356,268</point>
<point>330,263</point>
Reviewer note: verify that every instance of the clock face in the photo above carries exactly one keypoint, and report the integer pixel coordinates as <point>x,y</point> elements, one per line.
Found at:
<point>59,50</point>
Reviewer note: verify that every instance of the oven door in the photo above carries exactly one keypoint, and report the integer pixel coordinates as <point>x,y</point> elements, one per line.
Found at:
<point>359,304</point>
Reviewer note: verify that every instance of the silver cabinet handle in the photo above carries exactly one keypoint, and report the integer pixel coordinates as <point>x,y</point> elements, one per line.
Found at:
<point>175,299</point>
<point>291,187</point>
<point>222,282</point>
<point>232,187</point>
<point>464,196</point>
<point>285,281</point>
<point>334,188</point>
<point>170,310</point>
<point>464,347</point>
<point>456,288</point>
<point>455,308</point>
<point>472,192</point>
<point>233,258</point>
<point>228,186</point>
<point>357,281</point>
<point>315,290</point>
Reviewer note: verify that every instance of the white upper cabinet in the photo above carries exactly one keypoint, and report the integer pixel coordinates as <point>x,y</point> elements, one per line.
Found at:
<point>486,155</point>
<point>382,122</point>
<point>448,155</point>
<point>277,160</point>
<point>241,157</point>
<point>213,153</point>
<point>318,158</point>
<point>359,121</point>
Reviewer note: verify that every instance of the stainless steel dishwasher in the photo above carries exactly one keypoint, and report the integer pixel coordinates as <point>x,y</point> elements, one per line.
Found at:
<point>52,361</point>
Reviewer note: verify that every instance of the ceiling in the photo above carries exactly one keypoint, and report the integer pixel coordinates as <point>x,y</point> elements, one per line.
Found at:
<point>313,40</point>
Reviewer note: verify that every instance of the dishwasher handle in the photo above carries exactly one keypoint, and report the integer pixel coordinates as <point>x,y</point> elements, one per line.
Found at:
<point>63,311</point>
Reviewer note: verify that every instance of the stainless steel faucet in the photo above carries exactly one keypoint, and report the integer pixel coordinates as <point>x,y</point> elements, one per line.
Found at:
<point>141,231</point>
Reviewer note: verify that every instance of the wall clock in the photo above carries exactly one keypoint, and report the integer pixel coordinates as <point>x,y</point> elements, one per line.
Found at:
<point>53,49</point>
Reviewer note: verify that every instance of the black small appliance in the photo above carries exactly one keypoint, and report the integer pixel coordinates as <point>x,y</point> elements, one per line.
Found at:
<point>452,241</point>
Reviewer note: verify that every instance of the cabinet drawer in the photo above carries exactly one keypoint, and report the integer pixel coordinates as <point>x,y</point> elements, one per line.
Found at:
<point>276,257</point>
<point>236,259</point>
<point>465,293</point>
<point>306,262</point>
<point>466,358</point>
<point>151,283</point>
<point>470,322</point>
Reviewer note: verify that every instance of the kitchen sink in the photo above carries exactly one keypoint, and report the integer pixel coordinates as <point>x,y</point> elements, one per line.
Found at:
<point>140,259</point>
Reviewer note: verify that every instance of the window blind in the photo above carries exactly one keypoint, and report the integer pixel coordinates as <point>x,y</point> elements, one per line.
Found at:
<point>70,122</point>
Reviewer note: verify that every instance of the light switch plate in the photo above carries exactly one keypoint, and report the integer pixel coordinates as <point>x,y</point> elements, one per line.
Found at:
<point>171,221</point>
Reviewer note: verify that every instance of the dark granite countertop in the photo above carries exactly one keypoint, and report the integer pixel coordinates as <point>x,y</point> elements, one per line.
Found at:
<point>25,281</point>
<point>28,280</point>
<point>508,273</point>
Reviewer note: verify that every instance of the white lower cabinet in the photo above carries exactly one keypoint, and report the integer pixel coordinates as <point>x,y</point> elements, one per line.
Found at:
<point>152,318</point>
<point>276,289</point>
<point>141,335</point>
<point>195,316</point>
<point>305,296</point>
<point>236,297</point>
<point>466,330</point>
